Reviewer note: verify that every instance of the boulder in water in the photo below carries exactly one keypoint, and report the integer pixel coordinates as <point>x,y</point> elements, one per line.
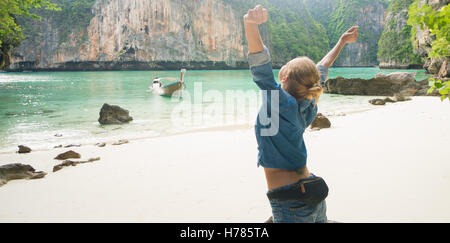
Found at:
<point>380,85</point>
<point>397,77</point>
<point>112,114</point>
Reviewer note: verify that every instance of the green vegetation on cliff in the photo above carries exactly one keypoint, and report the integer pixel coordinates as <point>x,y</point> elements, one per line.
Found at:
<point>438,23</point>
<point>10,31</point>
<point>394,47</point>
<point>75,16</point>
<point>294,32</point>
<point>356,12</point>
<point>337,16</point>
<point>291,30</point>
<point>312,27</point>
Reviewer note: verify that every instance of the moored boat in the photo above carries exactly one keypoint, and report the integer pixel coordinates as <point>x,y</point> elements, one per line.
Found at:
<point>168,89</point>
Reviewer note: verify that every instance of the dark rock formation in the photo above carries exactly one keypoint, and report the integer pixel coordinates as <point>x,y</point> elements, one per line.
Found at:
<point>389,100</point>
<point>23,149</point>
<point>380,85</point>
<point>401,98</point>
<point>398,77</point>
<point>377,102</point>
<point>73,163</point>
<point>72,145</point>
<point>397,98</point>
<point>320,122</point>
<point>68,155</point>
<point>113,115</point>
<point>18,171</point>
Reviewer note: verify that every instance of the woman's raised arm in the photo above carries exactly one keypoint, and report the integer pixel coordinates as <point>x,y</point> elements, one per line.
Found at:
<point>349,36</point>
<point>252,20</point>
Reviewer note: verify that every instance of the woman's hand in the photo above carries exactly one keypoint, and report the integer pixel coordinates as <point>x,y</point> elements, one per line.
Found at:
<point>351,35</point>
<point>257,16</point>
<point>252,19</point>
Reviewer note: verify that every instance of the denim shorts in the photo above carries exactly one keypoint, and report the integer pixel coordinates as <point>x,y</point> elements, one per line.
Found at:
<point>294,211</point>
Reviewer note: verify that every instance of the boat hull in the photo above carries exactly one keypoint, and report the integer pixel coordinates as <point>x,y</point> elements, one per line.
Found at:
<point>168,90</point>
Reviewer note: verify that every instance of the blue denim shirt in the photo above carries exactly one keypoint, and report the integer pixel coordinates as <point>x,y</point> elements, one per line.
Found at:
<point>285,149</point>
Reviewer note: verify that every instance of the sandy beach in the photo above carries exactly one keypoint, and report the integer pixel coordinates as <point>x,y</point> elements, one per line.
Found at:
<point>389,164</point>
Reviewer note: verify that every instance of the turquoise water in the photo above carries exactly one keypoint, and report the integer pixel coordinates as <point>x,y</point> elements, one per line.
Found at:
<point>34,107</point>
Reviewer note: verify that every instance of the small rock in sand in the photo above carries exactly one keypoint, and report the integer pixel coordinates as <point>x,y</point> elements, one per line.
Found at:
<point>101,145</point>
<point>18,171</point>
<point>72,145</point>
<point>73,163</point>
<point>68,155</point>
<point>120,142</point>
<point>321,122</point>
<point>58,146</point>
<point>58,135</point>
<point>23,149</point>
<point>377,102</point>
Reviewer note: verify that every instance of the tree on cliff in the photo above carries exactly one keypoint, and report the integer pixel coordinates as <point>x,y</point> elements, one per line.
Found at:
<point>10,31</point>
<point>438,23</point>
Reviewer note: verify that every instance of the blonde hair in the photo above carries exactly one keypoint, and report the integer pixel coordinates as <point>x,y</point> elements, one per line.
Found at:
<point>303,80</point>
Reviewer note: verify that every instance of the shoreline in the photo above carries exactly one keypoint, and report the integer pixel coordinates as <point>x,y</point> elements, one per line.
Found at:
<point>109,141</point>
<point>165,66</point>
<point>375,163</point>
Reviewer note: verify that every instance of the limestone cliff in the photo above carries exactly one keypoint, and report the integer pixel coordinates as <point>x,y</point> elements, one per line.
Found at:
<point>394,48</point>
<point>194,34</point>
<point>139,34</point>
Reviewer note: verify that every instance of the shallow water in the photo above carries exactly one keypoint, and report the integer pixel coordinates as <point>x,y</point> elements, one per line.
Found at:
<point>34,107</point>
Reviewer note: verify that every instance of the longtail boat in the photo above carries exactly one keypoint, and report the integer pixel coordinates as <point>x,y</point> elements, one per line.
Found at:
<point>170,88</point>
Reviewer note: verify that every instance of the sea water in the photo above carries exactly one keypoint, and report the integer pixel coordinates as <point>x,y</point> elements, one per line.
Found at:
<point>46,109</point>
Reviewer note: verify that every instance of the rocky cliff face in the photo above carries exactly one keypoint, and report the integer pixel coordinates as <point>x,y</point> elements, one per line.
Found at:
<point>395,48</point>
<point>195,34</point>
<point>423,40</point>
<point>370,18</point>
<point>140,34</point>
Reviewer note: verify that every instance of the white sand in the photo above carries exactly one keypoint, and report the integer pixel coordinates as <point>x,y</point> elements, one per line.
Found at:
<point>390,164</point>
